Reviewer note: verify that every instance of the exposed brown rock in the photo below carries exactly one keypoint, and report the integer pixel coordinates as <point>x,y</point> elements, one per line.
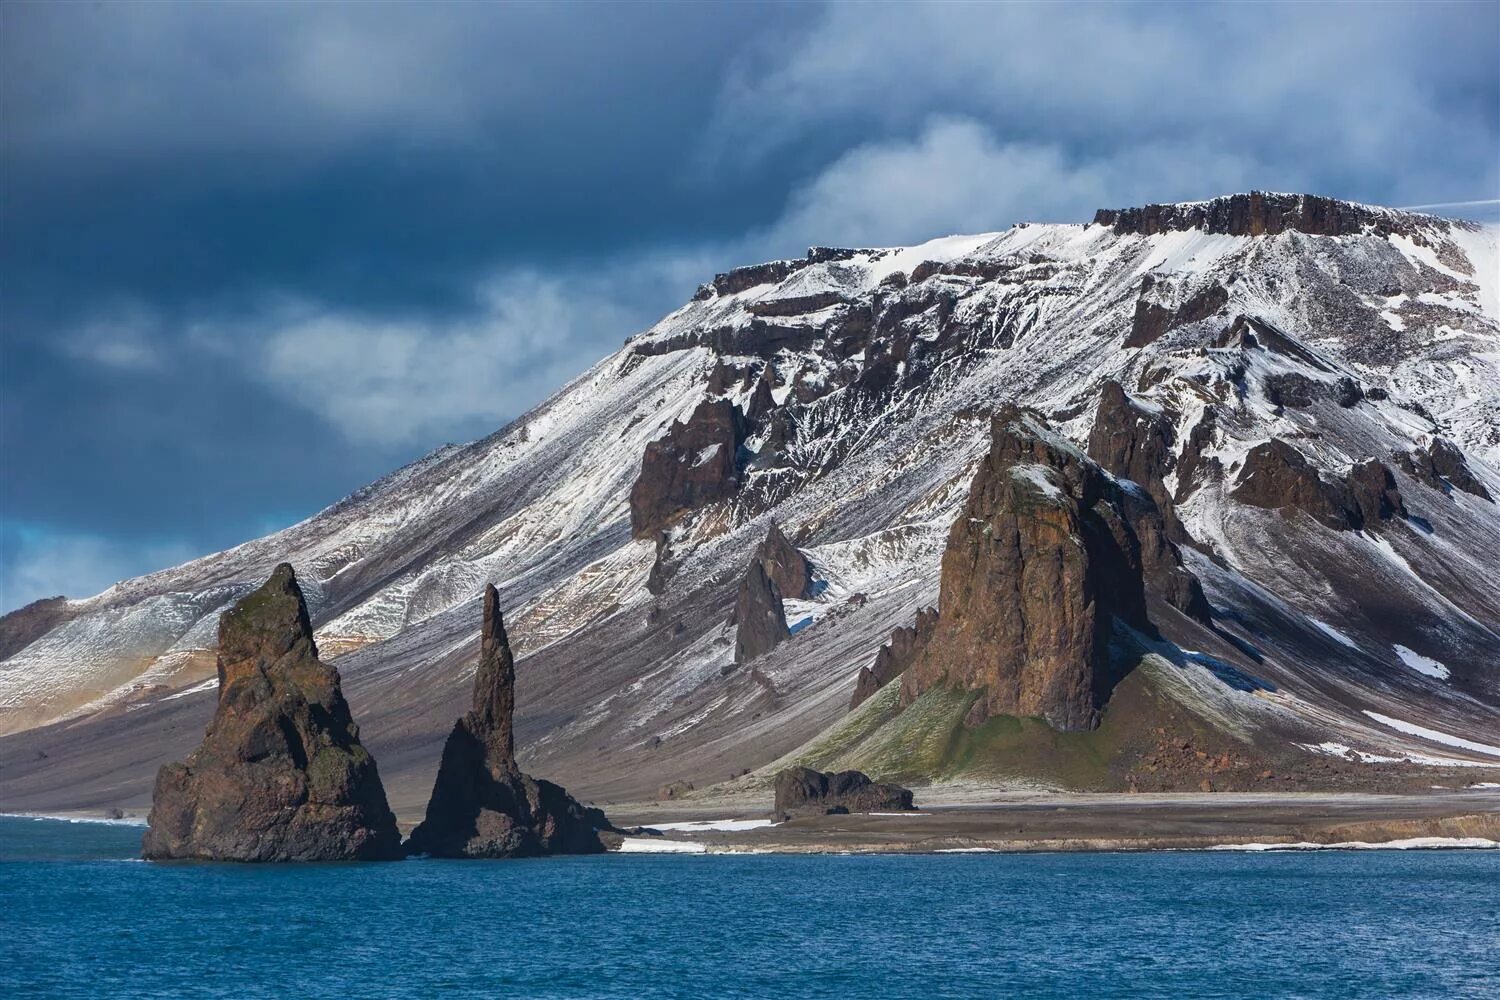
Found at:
<point>1373,488</point>
<point>25,625</point>
<point>803,791</point>
<point>895,657</point>
<point>1153,319</point>
<point>1277,476</point>
<point>795,305</point>
<point>744,278</point>
<point>785,564</point>
<point>1255,214</point>
<point>1132,441</point>
<point>695,464</point>
<point>280,774</point>
<point>759,617</point>
<point>1040,566</point>
<point>1443,466</point>
<point>482,806</point>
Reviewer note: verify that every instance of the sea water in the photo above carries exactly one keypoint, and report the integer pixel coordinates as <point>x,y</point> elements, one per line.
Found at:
<point>80,918</point>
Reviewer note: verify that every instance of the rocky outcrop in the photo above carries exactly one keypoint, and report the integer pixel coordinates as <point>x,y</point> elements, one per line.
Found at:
<point>895,657</point>
<point>1132,441</point>
<point>1443,467</point>
<point>1256,214</point>
<point>1373,489</point>
<point>1277,476</point>
<point>1153,319</point>
<point>280,774</point>
<point>759,617</point>
<point>801,791</point>
<point>785,565</point>
<point>695,464</point>
<point>482,806</point>
<point>1041,566</point>
<point>25,625</point>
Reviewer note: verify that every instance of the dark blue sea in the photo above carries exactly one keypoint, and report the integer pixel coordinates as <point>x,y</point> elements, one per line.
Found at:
<point>78,918</point>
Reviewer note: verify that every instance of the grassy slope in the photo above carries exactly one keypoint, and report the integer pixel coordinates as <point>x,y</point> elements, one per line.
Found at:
<point>929,742</point>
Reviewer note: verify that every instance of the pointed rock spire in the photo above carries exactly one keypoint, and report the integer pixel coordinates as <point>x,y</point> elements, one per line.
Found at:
<point>280,774</point>
<point>495,683</point>
<point>759,616</point>
<point>482,806</point>
<point>785,564</point>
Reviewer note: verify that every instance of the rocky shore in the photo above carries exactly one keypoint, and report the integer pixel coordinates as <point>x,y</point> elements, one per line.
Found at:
<point>957,820</point>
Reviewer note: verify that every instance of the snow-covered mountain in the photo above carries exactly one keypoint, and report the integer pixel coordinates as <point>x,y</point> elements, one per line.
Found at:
<point>846,397</point>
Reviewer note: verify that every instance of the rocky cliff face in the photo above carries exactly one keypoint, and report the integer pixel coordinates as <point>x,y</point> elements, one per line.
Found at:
<point>23,626</point>
<point>1042,569</point>
<point>1258,213</point>
<point>785,565</point>
<point>482,806</point>
<point>281,774</point>
<point>695,464</point>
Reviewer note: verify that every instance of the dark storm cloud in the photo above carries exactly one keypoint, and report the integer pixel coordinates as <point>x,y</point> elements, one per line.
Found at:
<point>254,255</point>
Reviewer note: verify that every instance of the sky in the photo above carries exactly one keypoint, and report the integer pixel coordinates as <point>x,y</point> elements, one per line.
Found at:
<point>255,256</point>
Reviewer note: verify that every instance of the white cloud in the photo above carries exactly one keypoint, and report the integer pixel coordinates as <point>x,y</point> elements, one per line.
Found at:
<point>126,339</point>
<point>957,176</point>
<point>403,381</point>
<point>1326,95</point>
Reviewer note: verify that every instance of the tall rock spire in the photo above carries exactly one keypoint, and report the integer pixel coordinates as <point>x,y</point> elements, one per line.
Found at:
<point>495,683</point>
<point>280,774</point>
<point>482,806</point>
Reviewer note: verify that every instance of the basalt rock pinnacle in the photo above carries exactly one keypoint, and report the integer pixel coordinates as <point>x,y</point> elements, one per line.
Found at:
<point>280,774</point>
<point>482,806</point>
<point>1047,559</point>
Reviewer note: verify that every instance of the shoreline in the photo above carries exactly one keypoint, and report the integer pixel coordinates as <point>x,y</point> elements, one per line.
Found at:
<point>66,817</point>
<point>963,821</point>
<point>1056,823</point>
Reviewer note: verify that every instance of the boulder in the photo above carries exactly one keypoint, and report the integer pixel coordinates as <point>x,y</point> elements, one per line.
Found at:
<point>801,791</point>
<point>482,806</point>
<point>280,774</point>
<point>1373,489</point>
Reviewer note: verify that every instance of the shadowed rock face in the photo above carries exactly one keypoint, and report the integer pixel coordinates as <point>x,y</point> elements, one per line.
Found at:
<point>482,806</point>
<point>1442,466</point>
<point>1047,556</point>
<point>695,464</point>
<point>803,791</point>
<point>1255,214</point>
<point>1153,319</point>
<point>280,774</point>
<point>759,616</point>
